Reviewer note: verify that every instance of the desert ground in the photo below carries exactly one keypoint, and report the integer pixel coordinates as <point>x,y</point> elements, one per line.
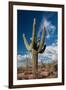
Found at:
<point>47,70</point>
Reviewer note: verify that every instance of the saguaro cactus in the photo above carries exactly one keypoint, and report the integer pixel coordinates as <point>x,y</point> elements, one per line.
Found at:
<point>36,46</point>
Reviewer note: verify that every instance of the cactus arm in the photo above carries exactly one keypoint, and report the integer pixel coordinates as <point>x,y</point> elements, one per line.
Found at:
<point>34,33</point>
<point>42,38</point>
<point>26,43</point>
<point>43,49</point>
<point>42,41</point>
<point>31,45</point>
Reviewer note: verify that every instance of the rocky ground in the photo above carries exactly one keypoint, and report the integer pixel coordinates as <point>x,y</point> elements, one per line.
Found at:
<point>44,71</point>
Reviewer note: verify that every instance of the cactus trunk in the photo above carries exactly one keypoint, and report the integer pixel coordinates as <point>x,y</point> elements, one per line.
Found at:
<point>35,63</point>
<point>36,47</point>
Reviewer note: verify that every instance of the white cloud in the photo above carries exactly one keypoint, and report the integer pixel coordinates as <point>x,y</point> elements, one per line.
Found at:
<point>50,54</point>
<point>19,57</point>
<point>50,28</point>
<point>54,57</point>
<point>23,57</point>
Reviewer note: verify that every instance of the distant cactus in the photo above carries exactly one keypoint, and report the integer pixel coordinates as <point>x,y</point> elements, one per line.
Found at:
<point>36,46</point>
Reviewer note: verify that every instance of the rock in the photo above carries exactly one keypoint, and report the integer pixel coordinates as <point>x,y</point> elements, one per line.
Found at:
<point>30,76</point>
<point>44,74</point>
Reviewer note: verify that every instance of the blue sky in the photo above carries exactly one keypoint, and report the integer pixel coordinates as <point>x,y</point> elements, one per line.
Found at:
<point>25,22</point>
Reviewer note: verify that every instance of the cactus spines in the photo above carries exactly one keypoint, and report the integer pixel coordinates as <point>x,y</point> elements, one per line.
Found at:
<point>36,46</point>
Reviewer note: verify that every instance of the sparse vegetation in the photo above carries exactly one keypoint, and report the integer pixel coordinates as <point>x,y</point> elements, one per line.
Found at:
<point>45,70</point>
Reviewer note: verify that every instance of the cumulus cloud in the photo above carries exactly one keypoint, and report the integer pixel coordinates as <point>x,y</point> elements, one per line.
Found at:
<point>50,54</point>
<point>19,57</point>
<point>23,57</point>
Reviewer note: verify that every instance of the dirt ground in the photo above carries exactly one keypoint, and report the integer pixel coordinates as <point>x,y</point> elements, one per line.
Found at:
<point>44,71</point>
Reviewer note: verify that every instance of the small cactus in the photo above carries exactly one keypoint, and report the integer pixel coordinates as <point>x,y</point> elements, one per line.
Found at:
<point>35,47</point>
